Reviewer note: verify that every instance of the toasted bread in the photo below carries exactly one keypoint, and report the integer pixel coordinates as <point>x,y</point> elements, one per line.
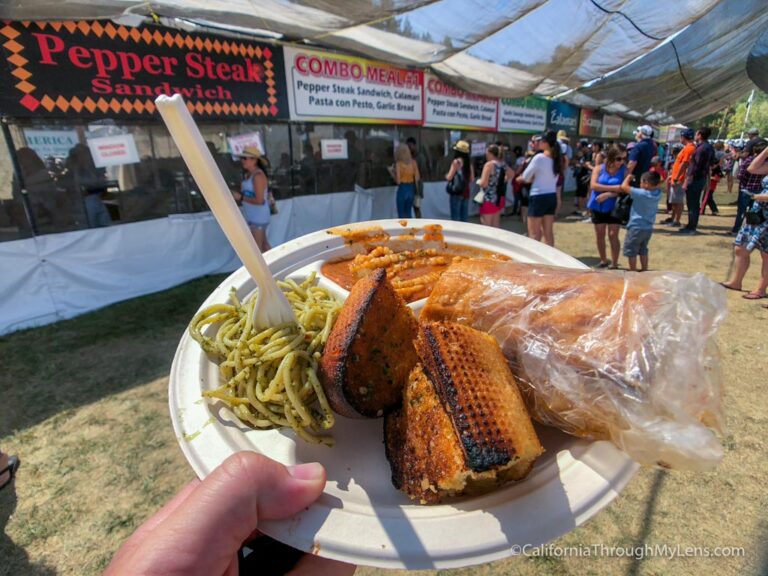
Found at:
<point>463,427</point>
<point>369,352</point>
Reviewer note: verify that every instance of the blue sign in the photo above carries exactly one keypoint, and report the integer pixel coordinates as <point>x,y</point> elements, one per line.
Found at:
<point>563,116</point>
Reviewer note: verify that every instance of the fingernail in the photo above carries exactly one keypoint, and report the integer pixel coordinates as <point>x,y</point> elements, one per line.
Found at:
<point>309,471</point>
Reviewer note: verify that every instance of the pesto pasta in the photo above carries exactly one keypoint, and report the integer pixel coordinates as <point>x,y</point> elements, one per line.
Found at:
<point>270,376</point>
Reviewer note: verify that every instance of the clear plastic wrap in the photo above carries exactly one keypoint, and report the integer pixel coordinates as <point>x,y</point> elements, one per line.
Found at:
<point>629,358</point>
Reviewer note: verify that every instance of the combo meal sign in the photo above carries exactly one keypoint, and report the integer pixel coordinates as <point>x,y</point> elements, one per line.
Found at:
<point>335,87</point>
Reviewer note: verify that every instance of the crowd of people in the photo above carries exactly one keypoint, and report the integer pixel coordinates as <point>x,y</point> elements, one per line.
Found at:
<point>684,173</point>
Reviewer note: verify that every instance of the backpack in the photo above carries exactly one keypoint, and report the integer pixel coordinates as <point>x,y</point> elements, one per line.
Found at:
<point>456,185</point>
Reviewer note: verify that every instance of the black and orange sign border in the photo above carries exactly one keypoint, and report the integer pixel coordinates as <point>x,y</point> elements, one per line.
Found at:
<point>135,106</point>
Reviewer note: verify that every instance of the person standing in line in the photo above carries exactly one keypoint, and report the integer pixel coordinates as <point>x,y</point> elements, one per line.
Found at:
<point>492,182</point>
<point>696,178</point>
<point>677,177</point>
<point>754,137</point>
<point>406,178</point>
<point>460,202</point>
<point>543,173</point>
<point>749,184</point>
<point>418,157</point>
<point>254,195</point>
<point>607,178</point>
<point>753,233</point>
<point>728,162</point>
<point>641,154</point>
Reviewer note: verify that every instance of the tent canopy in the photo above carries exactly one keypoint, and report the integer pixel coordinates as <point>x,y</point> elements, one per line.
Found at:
<point>636,57</point>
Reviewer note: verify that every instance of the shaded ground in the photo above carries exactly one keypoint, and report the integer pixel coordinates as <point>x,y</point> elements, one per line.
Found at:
<point>84,404</point>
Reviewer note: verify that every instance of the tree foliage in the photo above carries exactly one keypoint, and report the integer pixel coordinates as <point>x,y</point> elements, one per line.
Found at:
<point>730,122</point>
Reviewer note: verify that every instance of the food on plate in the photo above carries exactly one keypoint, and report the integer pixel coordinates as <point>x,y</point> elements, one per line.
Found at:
<point>370,350</point>
<point>463,427</point>
<point>270,376</point>
<point>413,261</point>
<point>630,358</point>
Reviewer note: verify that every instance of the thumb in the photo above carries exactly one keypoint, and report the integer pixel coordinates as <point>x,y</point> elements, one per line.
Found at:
<point>214,521</point>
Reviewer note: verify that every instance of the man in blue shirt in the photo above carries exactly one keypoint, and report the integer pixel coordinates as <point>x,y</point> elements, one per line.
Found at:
<point>641,153</point>
<point>697,178</point>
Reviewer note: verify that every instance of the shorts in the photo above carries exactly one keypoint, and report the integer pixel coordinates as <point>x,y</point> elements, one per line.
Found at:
<point>604,218</point>
<point>636,242</point>
<point>676,194</point>
<point>753,236</point>
<point>542,205</point>
<point>525,194</point>
<point>492,207</point>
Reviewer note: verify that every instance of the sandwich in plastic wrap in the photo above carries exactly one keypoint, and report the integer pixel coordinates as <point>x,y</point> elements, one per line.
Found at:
<point>628,358</point>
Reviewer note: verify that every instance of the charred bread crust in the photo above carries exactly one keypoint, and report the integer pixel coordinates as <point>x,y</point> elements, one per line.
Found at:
<point>484,404</point>
<point>369,352</point>
<point>426,460</point>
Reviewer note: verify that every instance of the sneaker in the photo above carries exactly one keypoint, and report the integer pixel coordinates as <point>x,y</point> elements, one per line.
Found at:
<point>686,231</point>
<point>667,221</point>
<point>586,219</point>
<point>674,224</point>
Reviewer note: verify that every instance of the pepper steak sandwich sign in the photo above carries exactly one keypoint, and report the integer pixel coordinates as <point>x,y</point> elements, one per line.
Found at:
<point>335,87</point>
<point>450,107</point>
<point>97,69</point>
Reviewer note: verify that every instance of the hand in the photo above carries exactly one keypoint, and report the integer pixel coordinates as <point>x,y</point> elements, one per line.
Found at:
<point>201,529</point>
<point>603,197</point>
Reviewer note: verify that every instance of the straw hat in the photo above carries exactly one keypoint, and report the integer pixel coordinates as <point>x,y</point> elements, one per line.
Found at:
<point>563,135</point>
<point>462,146</point>
<point>250,152</point>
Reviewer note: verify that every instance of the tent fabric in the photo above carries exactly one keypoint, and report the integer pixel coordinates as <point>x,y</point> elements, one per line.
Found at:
<point>713,55</point>
<point>757,62</point>
<point>508,48</point>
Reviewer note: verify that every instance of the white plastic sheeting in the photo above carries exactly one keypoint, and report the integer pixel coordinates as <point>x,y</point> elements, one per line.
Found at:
<point>58,276</point>
<point>506,48</point>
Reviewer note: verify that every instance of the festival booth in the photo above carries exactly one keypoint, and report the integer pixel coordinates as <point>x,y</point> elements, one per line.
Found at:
<point>97,206</point>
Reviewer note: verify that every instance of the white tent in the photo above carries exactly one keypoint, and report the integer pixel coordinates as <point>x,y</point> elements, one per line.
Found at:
<point>668,62</point>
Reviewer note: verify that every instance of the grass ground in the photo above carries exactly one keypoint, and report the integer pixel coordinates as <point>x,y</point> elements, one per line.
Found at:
<point>84,404</point>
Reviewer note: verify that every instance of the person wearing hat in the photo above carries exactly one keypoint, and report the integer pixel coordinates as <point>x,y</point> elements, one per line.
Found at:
<point>462,167</point>
<point>754,137</point>
<point>641,153</point>
<point>677,177</point>
<point>567,156</point>
<point>254,194</point>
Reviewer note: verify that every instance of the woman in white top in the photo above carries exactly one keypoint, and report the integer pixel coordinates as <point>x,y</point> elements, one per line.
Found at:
<point>254,194</point>
<point>544,200</point>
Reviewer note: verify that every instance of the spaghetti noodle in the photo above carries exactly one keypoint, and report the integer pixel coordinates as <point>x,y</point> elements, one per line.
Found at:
<point>270,376</point>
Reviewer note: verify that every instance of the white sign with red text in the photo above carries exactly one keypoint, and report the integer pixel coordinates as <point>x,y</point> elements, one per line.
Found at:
<point>240,142</point>
<point>113,150</point>
<point>450,107</point>
<point>333,87</point>
<point>334,149</point>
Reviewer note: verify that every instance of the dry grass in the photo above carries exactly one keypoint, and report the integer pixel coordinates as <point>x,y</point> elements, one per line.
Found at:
<point>84,405</point>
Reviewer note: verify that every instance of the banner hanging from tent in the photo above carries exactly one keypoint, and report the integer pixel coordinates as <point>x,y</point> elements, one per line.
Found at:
<point>590,123</point>
<point>450,107</point>
<point>563,116</point>
<point>330,87</point>
<point>522,115</point>
<point>611,126</point>
<point>99,69</point>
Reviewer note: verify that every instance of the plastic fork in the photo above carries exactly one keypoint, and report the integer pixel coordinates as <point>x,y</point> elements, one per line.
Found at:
<point>272,307</point>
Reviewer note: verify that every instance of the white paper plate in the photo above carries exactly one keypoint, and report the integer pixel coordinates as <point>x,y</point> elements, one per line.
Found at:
<point>361,518</point>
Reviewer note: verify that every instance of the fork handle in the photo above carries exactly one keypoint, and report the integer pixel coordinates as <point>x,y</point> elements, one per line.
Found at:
<point>198,159</point>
